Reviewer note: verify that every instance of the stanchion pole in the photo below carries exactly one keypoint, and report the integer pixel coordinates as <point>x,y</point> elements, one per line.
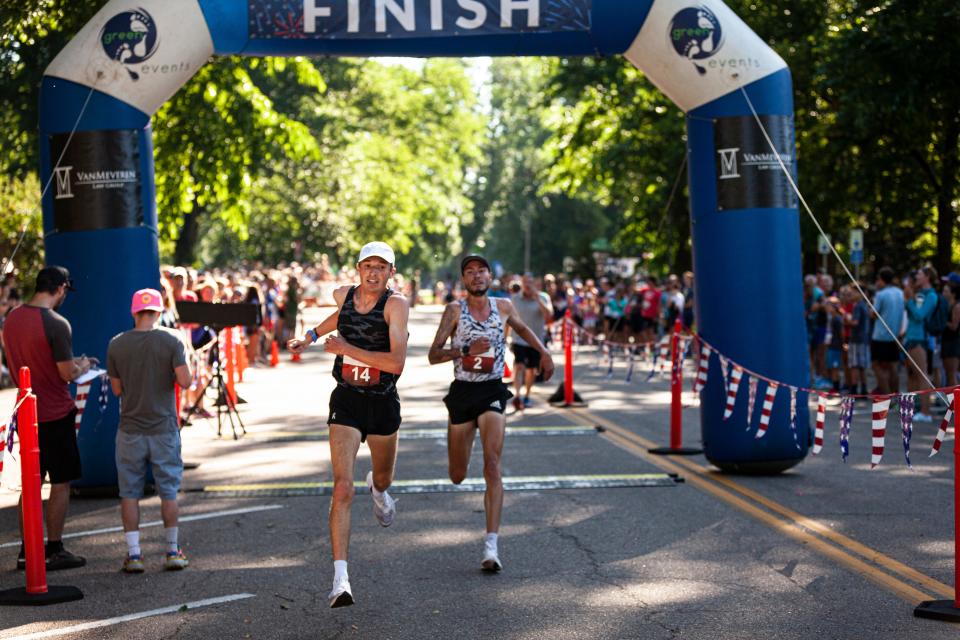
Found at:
<point>676,408</point>
<point>567,359</point>
<point>30,487</point>
<point>36,592</point>
<point>676,382</point>
<point>949,610</point>
<point>231,366</point>
<point>565,396</point>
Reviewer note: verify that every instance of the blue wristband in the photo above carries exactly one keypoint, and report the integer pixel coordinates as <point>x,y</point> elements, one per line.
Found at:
<point>313,336</point>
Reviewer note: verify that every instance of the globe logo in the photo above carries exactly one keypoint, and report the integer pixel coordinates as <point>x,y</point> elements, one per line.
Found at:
<point>695,34</point>
<point>130,38</point>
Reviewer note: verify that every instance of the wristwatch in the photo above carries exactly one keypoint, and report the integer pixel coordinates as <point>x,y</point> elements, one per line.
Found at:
<point>465,350</point>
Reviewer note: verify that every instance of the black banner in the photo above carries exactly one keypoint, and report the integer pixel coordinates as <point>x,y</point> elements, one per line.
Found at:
<point>97,183</point>
<point>345,19</point>
<point>749,176</point>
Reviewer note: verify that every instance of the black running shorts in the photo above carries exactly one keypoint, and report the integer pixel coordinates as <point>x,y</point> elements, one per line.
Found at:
<point>527,356</point>
<point>59,453</point>
<point>370,415</point>
<point>467,401</point>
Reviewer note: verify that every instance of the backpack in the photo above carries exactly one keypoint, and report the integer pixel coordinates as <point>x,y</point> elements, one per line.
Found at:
<point>936,322</point>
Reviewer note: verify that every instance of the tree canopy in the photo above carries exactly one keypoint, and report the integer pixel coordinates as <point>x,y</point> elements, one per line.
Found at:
<point>284,159</point>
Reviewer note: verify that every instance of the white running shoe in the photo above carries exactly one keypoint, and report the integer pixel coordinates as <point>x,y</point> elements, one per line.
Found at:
<point>384,508</point>
<point>341,596</point>
<point>491,563</point>
<point>922,417</point>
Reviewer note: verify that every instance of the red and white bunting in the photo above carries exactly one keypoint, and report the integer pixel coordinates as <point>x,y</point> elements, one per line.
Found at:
<point>732,388</point>
<point>703,367</point>
<point>881,407</point>
<point>751,399</point>
<point>821,418</point>
<point>83,390</point>
<point>768,399</point>
<point>664,352</point>
<point>942,431</point>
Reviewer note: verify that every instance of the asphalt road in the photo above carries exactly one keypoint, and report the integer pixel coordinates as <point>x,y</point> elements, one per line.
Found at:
<point>825,550</point>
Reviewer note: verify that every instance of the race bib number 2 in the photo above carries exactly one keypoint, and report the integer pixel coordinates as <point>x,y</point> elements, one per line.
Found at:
<point>480,363</point>
<point>359,374</point>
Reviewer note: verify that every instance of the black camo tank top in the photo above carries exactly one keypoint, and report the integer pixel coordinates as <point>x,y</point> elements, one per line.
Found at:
<point>370,332</point>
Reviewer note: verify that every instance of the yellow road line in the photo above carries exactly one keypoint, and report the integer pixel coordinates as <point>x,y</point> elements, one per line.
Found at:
<point>796,526</point>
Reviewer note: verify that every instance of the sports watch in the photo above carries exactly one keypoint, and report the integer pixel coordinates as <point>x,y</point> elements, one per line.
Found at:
<point>465,350</point>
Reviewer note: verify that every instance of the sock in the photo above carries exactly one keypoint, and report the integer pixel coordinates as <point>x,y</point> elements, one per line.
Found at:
<point>172,545</point>
<point>53,546</point>
<point>377,495</point>
<point>133,543</point>
<point>339,569</point>
<point>491,541</point>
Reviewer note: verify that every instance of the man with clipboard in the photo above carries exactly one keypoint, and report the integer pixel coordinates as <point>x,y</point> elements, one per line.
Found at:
<point>478,397</point>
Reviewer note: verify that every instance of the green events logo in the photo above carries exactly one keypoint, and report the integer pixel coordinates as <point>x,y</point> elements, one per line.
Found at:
<point>695,34</point>
<point>130,37</point>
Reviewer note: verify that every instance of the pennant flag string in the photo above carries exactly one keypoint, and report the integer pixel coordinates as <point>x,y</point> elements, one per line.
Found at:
<point>732,386</point>
<point>821,418</point>
<point>846,416</point>
<point>83,390</point>
<point>767,409</point>
<point>942,431</point>
<point>751,399</point>
<point>793,417</point>
<point>881,407</point>
<point>906,403</point>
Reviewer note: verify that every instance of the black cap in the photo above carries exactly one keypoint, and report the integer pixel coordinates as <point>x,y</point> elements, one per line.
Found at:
<point>471,258</point>
<point>51,278</point>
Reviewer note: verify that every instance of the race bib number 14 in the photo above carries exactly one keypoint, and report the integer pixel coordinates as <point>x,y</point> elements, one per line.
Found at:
<point>359,374</point>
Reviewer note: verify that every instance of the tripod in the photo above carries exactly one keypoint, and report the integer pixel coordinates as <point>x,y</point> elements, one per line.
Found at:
<point>225,404</point>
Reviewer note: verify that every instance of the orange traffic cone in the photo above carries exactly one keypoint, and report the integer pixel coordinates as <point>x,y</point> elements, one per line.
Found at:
<point>274,354</point>
<point>295,357</point>
<point>241,360</point>
<point>507,374</point>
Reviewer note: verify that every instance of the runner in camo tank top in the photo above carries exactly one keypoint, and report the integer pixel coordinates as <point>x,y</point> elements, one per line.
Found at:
<point>371,350</point>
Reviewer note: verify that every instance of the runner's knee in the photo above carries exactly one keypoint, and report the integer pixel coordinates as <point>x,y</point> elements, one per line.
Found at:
<point>491,468</point>
<point>457,475</point>
<point>343,491</point>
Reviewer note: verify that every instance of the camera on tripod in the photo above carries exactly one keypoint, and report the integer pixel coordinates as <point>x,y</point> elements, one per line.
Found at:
<point>218,317</point>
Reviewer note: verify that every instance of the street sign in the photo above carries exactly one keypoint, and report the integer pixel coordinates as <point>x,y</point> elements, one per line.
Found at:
<point>823,246</point>
<point>856,240</point>
<point>856,256</point>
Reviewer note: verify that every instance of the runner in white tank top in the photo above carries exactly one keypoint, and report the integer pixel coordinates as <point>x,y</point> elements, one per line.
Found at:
<point>478,397</point>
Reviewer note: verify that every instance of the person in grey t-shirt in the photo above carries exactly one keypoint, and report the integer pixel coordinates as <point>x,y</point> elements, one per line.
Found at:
<point>143,365</point>
<point>535,310</point>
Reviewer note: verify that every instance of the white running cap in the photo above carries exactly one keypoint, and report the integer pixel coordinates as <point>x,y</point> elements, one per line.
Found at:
<point>377,250</point>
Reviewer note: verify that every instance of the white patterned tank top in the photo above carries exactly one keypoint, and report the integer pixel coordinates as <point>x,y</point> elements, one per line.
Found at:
<point>484,366</point>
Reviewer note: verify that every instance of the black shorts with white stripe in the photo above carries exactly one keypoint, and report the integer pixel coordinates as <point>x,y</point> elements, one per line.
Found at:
<point>467,401</point>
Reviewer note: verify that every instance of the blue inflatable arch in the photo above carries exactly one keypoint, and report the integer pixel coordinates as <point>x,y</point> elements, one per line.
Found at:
<point>100,217</point>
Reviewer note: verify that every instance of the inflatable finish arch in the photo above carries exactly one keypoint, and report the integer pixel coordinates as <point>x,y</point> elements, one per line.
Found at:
<point>100,217</point>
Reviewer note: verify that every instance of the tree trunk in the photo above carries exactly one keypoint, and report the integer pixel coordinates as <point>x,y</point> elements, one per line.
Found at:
<point>946,215</point>
<point>186,249</point>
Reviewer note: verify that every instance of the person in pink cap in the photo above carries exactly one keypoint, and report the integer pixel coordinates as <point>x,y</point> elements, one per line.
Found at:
<point>143,364</point>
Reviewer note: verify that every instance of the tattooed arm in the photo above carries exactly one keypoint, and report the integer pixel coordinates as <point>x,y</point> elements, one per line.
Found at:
<point>448,324</point>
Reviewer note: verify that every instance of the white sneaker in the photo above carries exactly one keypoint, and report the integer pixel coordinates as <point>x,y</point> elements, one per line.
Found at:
<point>341,596</point>
<point>491,563</point>
<point>922,417</point>
<point>385,507</point>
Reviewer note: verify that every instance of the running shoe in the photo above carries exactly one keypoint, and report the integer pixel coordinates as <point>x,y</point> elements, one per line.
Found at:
<point>63,559</point>
<point>517,403</point>
<point>176,560</point>
<point>341,596</point>
<point>133,564</point>
<point>384,507</point>
<point>922,417</point>
<point>527,402</point>
<point>490,563</point>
